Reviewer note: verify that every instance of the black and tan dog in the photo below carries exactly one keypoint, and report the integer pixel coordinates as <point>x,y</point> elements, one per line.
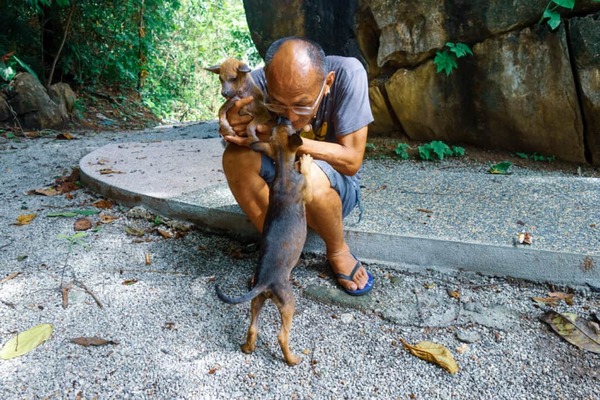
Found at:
<point>283,237</point>
<point>236,83</point>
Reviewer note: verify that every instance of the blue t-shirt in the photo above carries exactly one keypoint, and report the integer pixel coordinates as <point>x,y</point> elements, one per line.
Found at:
<point>346,108</point>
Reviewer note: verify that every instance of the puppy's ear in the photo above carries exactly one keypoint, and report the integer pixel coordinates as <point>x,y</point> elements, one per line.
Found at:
<point>244,68</point>
<point>216,69</point>
<point>295,141</point>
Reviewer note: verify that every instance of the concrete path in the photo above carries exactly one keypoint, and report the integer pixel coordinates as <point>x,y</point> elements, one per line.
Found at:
<point>440,215</point>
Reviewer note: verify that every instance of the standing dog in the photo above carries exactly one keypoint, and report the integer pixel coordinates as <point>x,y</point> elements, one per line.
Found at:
<point>236,83</point>
<point>283,237</point>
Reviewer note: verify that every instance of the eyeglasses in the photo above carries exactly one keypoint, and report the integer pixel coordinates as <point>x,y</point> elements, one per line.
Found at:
<point>298,110</point>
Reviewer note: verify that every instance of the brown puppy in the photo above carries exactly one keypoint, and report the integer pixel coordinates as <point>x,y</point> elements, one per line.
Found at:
<point>283,237</point>
<point>236,83</point>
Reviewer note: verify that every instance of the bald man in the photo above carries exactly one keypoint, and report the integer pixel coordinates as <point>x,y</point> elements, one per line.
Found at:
<point>325,97</point>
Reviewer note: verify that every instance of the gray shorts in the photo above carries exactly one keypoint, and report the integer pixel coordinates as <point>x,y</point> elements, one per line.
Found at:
<point>348,187</point>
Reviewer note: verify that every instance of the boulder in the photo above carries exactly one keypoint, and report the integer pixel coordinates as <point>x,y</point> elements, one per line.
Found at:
<point>31,103</point>
<point>517,94</point>
<point>585,45</point>
<point>5,114</point>
<point>62,94</point>
<point>384,123</point>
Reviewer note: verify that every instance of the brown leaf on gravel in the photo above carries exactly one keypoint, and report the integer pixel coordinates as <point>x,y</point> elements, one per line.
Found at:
<point>25,219</point>
<point>424,210</point>
<point>454,294</point>
<point>109,171</point>
<point>103,204</point>
<point>133,231</point>
<point>82,224</point>
<point>550,301</point>
<point>575,330</point>
<point>65,136</point>
<point>165,233</point>
<point>92,341</point>
<point>129,282</point>
<point>148,259</point>
<point>9,277</point>
<point>107,219</point>
<point>434,353</point>
<point>46,192</point>
<point>567,297</point>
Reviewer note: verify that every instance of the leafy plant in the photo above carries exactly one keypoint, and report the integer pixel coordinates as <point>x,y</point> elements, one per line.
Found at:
<point>439,149</point>
<point>447,60</point>
<point>535,157</point>
<point>401,150</point>
<point>502,168</point>
<point>551,12</point>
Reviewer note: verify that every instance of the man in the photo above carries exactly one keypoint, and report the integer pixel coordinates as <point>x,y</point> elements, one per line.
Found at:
<point>327,98</point>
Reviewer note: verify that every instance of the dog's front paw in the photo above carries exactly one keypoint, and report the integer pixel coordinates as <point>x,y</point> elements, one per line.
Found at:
<point>293,359</point>
<point>305,164</point>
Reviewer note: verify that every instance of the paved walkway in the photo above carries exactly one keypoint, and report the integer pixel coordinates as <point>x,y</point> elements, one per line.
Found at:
<point>439,215</point>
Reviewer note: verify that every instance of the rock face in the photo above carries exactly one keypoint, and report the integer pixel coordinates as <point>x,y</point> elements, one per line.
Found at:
<point>526,88</point>
<point>30,102</point>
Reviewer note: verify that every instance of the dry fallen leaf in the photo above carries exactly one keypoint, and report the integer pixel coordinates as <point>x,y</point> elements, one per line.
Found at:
<point>525,238</point>
<point>434,353</point>
<point>47,192</point>
<point>567,297</point>
<point>92,341</point>
<point>82,224</point>
<point>107,219</point>
<point>148,259</point>
<point>103,204</point>
<point>165,233</point>
<point>454,294</point>
<point>129,282</point>
<point>65,136</point>
<point>26,341</point>
<point>575,330</point>
<point>551,301</point>
<point>9,277</point>
<point>25,219</point>
<point>109,171</point>
<point>133,231</point>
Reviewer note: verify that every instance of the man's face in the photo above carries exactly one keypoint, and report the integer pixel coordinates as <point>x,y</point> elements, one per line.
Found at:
<point>301,90</point>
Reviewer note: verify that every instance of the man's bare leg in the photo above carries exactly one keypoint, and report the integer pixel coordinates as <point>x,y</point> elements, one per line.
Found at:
<point>242,170</point>
<point>324,215</point>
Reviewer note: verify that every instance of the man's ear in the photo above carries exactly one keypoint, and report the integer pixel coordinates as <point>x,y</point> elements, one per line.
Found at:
<point>244,68</point>
<point>216,69</point>
<point>295,141</point>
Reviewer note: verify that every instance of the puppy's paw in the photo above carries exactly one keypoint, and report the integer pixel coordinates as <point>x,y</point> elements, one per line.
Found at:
<point>305,164</point>
<point>248,347</point>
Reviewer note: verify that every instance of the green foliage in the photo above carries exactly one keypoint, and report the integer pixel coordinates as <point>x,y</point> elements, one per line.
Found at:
<point>156,47</point>
<point>535,157</point>
<point>439,149</point>
<point>551,12</point>
<point>401,150</point>
<point>502,168</point>
<point>447,60</point>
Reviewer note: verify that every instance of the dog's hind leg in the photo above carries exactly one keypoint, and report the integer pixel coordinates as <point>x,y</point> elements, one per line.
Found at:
<point>286,308</point>
<point>255,307</point>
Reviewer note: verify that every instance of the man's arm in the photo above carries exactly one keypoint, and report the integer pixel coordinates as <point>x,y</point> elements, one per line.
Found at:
<point>345,156</point>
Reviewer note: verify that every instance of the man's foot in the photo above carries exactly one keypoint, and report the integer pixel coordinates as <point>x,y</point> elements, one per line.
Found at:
<point>343,264</point>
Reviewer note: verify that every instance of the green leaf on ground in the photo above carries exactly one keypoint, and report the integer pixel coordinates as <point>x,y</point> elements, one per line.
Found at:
<point>26,341</point>
<point>401,150</point>
<point>440,149</point>
<point>458,151</point>
<point>501,168</point>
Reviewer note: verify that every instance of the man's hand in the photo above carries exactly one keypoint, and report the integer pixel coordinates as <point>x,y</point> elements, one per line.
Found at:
<point>239,122</point>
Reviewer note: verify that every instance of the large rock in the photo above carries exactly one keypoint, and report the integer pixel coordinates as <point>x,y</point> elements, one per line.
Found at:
<point>328,22</point>
<point>31,103</point>
<point>62,94</point>
<point>384,122</point>
<point>5,113</point>
<point>411,32</point>
<point>585,44</point>
<point>518,94</point>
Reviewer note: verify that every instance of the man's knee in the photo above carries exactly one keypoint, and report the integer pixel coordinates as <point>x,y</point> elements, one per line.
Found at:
<point>238,160</point>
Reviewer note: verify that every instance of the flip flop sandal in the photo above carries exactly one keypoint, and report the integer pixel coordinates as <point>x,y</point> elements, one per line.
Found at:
<point>357,292</point>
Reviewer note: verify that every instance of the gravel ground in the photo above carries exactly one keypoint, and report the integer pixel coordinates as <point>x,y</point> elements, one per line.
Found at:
<point>177,340</point>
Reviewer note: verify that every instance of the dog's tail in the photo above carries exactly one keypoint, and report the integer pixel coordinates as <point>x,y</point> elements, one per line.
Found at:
<point>256,290</point>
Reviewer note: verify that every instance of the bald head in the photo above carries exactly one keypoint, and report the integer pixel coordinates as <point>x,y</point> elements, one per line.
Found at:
<point>298,55</point>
